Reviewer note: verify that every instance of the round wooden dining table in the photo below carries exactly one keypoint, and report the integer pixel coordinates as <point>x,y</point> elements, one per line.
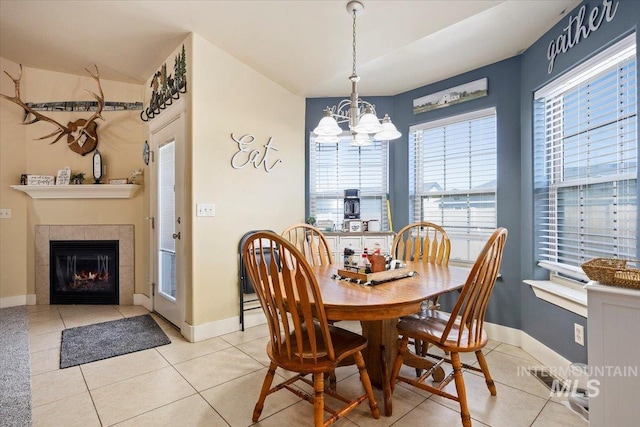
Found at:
<point>379,307</point>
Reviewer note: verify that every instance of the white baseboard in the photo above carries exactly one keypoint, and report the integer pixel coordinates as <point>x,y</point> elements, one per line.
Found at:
<point>143,300</point>
<point>547,357</point>
<point>221,327</point>
<point>29,299</point>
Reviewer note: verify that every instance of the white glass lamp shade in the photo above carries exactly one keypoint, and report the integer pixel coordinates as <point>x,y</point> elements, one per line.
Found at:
<point>360,140</point>
<point>388,132</point>
<point>327,126</point>
<point>368,123</point>
<point>326,139</point>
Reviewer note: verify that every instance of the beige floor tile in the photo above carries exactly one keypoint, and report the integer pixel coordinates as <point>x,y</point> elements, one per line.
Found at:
<point>45,342</point>
<point>46,327</point>
<point>516,351</point>
<point>491,344</point>
<point>558,415</point>
<point>249,334</point>
<point>512,371</point>
<point>216,368</point>
<point>256,349</point>
<point>56,385</point>
<point>115,369</point>
<point>132,310</point>
<point>235,399</point>
<point>82,309</point>
<point>45,361</point>
<point>403,400</point>
<point>180,350</point>
<point>350,325</point>
<point>135,396</point>
<point>41,307</point>
<point>510,408</point>
<point>300,414</point>
<point>190,411</point>
<point>92,318</point>
<point>73,411</point>
<point>436,414</point>
<point>42,316</point>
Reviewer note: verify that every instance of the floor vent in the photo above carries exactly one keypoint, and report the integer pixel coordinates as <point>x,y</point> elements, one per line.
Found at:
<point>546,377</point>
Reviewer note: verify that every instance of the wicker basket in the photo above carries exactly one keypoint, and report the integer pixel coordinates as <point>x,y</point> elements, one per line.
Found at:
<point>614,272</point>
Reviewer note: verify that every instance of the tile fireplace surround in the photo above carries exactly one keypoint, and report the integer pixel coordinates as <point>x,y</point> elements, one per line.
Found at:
<point>123,233</point>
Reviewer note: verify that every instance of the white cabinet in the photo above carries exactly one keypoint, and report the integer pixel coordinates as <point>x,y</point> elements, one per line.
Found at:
<point>358,242</point>
<point>614,354</point>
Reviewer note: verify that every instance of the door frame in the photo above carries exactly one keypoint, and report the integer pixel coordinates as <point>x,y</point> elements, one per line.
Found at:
<point>175,113</point>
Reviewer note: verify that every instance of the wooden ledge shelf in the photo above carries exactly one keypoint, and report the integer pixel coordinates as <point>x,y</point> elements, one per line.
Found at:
<point>85,191</point>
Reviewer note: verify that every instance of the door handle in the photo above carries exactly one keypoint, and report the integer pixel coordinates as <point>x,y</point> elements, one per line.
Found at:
<point>176,235</point>
<point>153,221</point>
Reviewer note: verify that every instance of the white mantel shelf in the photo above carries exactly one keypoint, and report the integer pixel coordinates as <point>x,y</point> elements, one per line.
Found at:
<point>87,191</point>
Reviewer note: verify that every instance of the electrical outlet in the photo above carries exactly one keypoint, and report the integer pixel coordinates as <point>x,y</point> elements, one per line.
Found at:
<point>578,333</point>
<point>5,213</point>
<point>205,209</point>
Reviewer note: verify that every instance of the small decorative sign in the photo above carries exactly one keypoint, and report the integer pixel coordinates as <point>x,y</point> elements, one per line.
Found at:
<point>455,95</point>
<point>578,29</point>
<point>255,156</point>
<point>40,179</point>
<point>166,87</point>
<point>119,181</point>
<point>64,176</point>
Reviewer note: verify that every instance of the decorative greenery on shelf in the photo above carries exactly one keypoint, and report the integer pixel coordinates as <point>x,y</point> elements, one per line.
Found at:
<point>77,178</point>
<point>311,220</point>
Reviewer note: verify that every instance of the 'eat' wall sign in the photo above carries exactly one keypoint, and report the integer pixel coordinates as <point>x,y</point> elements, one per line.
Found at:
<point>256,156</point>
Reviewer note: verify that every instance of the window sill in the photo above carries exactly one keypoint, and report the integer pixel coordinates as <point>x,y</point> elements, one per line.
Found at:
<point>567,297</point>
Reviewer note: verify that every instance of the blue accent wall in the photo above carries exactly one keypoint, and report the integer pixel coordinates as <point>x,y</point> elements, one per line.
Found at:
<point>547,323</point>
<point>511,86</point>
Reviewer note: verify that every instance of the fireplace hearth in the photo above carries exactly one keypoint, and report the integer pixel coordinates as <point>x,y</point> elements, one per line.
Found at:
<point>84,271</point>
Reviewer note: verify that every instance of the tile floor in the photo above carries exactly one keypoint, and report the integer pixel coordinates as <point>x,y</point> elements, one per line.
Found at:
<point>216,383</point>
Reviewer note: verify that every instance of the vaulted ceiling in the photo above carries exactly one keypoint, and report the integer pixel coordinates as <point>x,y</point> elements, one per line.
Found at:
<point>303,45</point>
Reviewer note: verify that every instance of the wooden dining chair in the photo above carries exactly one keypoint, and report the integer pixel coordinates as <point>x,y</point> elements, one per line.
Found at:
<point>301,338</point>
<point>311,242</point>
<point>422,241</point>
<point>428,243</point>
<point>460,332</point>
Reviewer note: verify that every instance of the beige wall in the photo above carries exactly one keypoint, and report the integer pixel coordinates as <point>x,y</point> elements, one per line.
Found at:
<point>120,140</point>
<point>224,96</point>
<point>228,96</point>
<point>13,231</point>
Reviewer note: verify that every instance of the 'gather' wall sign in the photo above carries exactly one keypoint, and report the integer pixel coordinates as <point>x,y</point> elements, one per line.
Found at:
<point>578,29</point>
<point>255,156</point>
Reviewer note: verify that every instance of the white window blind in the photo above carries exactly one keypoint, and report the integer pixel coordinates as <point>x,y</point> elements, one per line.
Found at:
<point>166,196</point>
<point>335,167</point>
<point>585,136</point>
<point>453,178</point>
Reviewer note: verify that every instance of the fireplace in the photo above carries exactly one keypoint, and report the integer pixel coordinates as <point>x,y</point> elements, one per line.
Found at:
<point>84,271</point>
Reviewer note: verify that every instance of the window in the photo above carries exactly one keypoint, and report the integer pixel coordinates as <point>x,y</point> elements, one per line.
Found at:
<point>335,167</point>
<point>453,178</point>
<point>585,139</point>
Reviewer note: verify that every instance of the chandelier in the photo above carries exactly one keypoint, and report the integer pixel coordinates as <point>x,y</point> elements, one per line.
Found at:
<point>359,114</point>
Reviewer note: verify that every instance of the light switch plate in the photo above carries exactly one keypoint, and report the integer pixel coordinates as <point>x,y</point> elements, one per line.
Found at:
<point>5,213</point>
<point>205,209</point>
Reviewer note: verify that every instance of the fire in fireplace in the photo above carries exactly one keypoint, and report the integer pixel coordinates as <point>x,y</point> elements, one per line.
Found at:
<point>84,272</point>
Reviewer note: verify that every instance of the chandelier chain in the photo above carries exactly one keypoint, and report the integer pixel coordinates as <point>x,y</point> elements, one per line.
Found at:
<point>354,42</point>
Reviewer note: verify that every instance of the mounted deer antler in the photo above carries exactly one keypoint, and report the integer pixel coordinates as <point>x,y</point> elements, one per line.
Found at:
<point>82,134</point>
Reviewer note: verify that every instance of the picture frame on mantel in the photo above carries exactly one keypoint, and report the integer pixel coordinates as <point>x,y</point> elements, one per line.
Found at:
<point>64,176</point>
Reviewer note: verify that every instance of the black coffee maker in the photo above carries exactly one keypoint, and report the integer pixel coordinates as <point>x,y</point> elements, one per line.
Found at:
<point>351,204</point>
